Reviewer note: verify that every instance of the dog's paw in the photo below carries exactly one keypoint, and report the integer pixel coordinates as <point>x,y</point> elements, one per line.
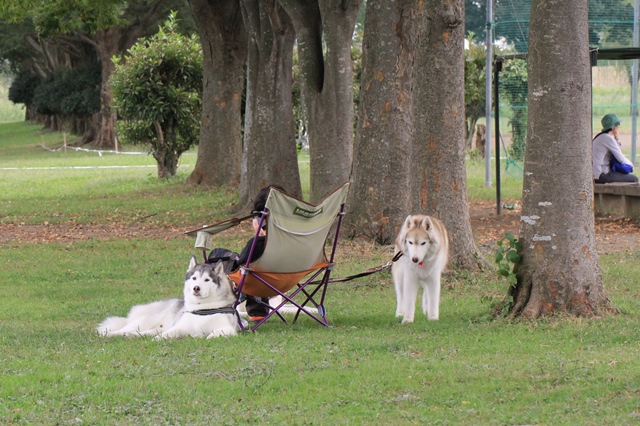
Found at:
<point>222,332</point>
<point>158,338</point>
<point>406,320</point>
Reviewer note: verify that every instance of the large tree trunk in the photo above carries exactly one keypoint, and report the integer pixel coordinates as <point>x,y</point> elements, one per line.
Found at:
<point>379,197</point>
<point>30,113</point>
<point>224,45</point>
<point>110,41</point>
<point>92,129</point>
<point>106,46</point>
<point>327,86</point>
<point>270,153</point>
<point>439,184</point>
<point>559,270</point>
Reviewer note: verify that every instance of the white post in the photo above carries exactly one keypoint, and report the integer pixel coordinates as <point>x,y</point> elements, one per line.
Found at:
<point>488,93</point>
<point>634,84</point>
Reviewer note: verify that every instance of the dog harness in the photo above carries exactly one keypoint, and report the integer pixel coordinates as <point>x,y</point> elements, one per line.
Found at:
<point>225,310</point>
<point>203,312</point>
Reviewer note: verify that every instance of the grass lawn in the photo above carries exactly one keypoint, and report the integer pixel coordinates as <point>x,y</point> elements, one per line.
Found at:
<point>465,369</point>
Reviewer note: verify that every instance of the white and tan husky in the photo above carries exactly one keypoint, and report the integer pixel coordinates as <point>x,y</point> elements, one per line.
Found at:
<point>205,311</point>
<point>424,244</point>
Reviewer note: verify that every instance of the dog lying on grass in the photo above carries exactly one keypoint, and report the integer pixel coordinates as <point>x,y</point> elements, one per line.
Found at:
<point>205,311</point>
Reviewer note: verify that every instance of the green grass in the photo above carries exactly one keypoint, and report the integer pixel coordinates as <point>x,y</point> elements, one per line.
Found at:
<point>58,186</point>
<point>465,369</point>
<point>510,180</point>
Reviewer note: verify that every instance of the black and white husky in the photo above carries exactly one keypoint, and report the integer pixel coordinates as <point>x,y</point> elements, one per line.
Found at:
<point>424,244</point>
<point>205,311</point>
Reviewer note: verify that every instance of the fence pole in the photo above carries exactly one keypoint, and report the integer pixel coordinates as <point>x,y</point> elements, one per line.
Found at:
<point>488,77</point>
<point>634,84</point>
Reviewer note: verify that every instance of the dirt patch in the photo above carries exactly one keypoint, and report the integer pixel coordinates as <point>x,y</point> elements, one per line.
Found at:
<point>612,234</point>
<point>69,231</point>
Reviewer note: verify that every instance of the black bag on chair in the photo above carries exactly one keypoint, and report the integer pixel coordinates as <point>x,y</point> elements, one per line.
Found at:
<point>228,258</point>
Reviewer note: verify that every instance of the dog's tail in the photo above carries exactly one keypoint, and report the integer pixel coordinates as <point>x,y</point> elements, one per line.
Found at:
<point>111,324</point>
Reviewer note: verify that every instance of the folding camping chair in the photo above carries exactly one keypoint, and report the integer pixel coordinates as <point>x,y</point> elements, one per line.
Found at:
<point>294,250</point>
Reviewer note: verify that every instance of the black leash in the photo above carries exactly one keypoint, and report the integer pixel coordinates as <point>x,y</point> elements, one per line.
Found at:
<point>365,272</point>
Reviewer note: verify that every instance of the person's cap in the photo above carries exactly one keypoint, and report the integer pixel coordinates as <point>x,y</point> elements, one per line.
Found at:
<point>610,121</point>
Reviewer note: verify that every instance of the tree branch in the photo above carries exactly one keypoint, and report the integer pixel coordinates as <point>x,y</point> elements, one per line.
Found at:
<point>133,30</point>
<point>85,38</point>
<point>36,45</point>
<point>307,21</point>
<point>159,132</point>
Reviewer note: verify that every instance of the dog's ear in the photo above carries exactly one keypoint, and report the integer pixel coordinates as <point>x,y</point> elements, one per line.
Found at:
<point>219,269</point>
<point>426,223</point>
<point>408,222</point>
<point>192,264</point>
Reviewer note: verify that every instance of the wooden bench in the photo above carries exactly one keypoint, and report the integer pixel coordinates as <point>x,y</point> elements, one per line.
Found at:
<point>617,199</point>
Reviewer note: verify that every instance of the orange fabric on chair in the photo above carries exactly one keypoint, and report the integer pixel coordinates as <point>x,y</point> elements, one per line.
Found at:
<point>283,281</point>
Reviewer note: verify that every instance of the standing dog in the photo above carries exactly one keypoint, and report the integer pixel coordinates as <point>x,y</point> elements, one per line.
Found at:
<point>424,244</point>
<point>206,309</point>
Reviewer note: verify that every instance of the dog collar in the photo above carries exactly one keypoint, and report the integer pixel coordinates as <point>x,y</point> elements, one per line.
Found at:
<point>203,312</point>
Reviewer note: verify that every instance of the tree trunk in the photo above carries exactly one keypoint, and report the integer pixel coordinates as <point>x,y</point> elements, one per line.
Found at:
<point>470,132</point>
<point>269,153</point>
<point>166,157</point>
<point>167,164</point>
<point>481,139</point>
<point>326,86</point>
<point>559,270</point>
<point>92,129</point>
<point>110,41</point>
<point>54,123</point>
<point>439,186</point>
<point>107,47</point>
<point>30,113</point>
<point>380,178</point>
<point>224,45</point>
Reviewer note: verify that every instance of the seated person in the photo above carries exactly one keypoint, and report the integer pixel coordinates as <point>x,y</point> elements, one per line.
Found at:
<point>233,261</point>
<point>605,146</point>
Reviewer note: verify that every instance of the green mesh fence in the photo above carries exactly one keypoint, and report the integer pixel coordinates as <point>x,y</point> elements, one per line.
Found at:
<point>610,26</point>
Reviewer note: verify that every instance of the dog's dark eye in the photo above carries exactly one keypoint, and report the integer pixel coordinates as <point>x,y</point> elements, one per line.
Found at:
<point>423,243</point>
<point>193,278</point>
<point>207,280</point>
<point>410,242</point>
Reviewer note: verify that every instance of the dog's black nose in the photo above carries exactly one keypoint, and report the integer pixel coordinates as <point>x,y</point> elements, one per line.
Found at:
<point>196,289</point>
<point>414,259</point>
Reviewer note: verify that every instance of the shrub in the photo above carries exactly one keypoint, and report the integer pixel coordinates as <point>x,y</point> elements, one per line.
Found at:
<point>157,93</point>
<point>23,88</point>
<point>68,93</point>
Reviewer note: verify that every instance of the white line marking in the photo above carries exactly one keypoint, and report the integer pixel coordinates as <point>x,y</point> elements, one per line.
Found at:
<point>83,167</point>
